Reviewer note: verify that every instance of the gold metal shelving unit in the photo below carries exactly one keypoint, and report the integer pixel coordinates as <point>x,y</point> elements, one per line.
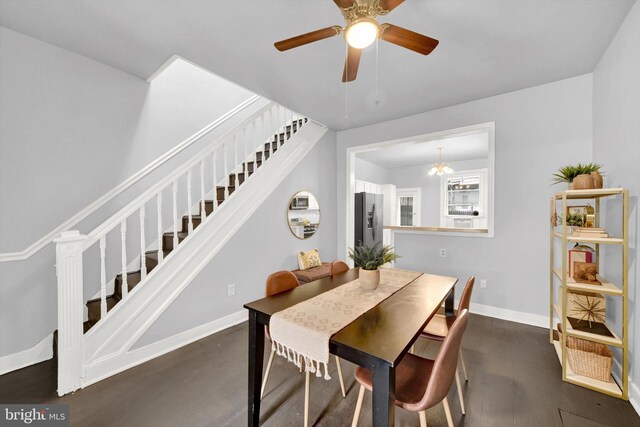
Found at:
<point>560,275</point>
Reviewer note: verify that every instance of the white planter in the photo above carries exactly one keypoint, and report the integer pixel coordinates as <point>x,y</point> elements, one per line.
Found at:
<point>369,279</point>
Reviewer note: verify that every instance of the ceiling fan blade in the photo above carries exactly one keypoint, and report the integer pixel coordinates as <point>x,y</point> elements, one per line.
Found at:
<point>408,39</point>
<point>389,5</point>
<point>351,65</point>
<point>343,4</point>
<point>307,38</point>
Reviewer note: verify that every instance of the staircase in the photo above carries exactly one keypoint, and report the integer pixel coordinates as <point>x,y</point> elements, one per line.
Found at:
<point>96,343</point>
<point>169,238</point>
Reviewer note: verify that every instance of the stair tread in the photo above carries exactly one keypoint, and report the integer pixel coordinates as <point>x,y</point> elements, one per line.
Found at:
<point>112,300</point>
<point>181,234</point>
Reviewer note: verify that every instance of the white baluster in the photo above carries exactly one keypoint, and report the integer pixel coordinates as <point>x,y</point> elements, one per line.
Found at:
<point>290,117</point>
<point>123,238</point>
<point>254,132</point>
<point>215,182</point>
<point>143,246</point>
<point>235,158</point>
<point>203,212</point>
<point>263,136</point>
<point>246,154</point>
<point>160,233</point>
<point>273,123</point>
<point>278,121</point>
<point>103,278</point>
<point>175,214</point>
<point>190,226</point>
<point>226,172</point>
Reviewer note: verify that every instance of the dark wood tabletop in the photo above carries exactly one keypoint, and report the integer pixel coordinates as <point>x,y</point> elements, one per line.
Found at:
<point>378,339</point>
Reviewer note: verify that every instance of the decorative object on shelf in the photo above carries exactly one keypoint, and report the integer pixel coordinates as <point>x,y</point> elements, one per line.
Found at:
<point>576,215</point>
<point>569,173</point>
<point>440,167</point>
<point>588,358</point>
<point>583,182</point>
<point>369,259</point>
<point>590,232</point>
<point>591,216</point>
<point>579,253</point>
<point>586,272</point>
<point>587,306</point>
<point>598,181</point>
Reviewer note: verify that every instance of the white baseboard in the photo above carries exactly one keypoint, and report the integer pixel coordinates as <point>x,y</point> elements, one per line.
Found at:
<point>39,353</point>
<point>106,368</point>
<point>510,315</point>
<point>634,391</point>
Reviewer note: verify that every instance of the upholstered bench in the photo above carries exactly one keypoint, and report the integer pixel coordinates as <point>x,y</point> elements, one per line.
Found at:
<point>314,273</point>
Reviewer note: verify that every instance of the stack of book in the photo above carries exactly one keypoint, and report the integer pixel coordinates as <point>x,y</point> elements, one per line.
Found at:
<point>594,232</point>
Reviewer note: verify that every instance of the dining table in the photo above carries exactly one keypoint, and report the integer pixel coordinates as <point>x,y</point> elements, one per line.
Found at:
<point>377,340</point>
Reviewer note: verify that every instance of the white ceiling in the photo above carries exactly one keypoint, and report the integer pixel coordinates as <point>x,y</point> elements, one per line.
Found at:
<point>474,146</point>
<point>487,47</point>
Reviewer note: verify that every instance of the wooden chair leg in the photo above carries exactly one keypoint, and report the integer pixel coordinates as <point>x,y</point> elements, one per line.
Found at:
<point>423,418</point>
<point>447,412</point>
<point>458,384</point>
<point>464,366</point>
<point>306,399</point>
<point>340,377</point>
<point>266,374</point>
<point>356,414</point>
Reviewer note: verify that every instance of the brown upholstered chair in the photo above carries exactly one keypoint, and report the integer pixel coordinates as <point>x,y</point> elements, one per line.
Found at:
<point>338,267</point>
<point>278,282</point>
<point>422,383</point>
<point>438,328</point>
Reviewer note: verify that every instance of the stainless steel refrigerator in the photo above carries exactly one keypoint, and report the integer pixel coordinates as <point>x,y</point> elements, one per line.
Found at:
<point>368,219</point>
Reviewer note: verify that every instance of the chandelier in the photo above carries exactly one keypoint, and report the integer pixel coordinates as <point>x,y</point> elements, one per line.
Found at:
<point>440,167</point>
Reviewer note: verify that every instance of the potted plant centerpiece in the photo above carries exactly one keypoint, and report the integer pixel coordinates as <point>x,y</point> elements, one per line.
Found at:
<point>580,177</point>
<point>369,258</point>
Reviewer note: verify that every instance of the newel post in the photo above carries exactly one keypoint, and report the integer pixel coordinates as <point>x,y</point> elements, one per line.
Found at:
<point>70,310</point>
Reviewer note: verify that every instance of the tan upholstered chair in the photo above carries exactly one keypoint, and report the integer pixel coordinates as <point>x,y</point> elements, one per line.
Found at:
<point>338,267</point>
<point>422,383</point>
<point>278,282</point>
<point>438,328</point>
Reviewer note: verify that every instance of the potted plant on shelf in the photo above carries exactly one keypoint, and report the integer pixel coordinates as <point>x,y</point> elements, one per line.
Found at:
<point>369,258</point>
<point>580,176</point>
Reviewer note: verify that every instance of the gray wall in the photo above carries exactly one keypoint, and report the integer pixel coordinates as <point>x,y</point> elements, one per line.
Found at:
<point>616,144</point>
<point>70,130</point>
<point>263,245</point>
<point>370,172</point>
<point>537,130</point>
<point>416,176</point>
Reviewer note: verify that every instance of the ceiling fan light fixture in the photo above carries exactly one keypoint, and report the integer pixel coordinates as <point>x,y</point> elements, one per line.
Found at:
<point>362,32</point>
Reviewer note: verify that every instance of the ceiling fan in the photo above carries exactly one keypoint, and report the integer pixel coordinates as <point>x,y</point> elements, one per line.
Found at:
<point>362,30</point>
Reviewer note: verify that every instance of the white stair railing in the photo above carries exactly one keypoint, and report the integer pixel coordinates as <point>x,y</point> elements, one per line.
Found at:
<point>248,138</point>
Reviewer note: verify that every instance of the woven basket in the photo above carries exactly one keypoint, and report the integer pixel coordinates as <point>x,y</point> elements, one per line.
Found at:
<point>588,358</point>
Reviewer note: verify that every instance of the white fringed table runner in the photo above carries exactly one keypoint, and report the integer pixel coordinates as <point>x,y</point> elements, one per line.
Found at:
<point>302,332</point>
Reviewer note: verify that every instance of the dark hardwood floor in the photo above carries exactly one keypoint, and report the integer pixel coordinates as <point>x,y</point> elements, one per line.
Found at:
<point>514,381</point>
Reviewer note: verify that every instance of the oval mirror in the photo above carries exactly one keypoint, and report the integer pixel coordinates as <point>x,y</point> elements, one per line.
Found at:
<point>303,215</point>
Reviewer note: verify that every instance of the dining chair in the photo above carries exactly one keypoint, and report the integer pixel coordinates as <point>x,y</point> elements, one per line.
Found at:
<point>338,267</point>
<point>278,282</point>
<point>422,383</point>
<point>439,326</point>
